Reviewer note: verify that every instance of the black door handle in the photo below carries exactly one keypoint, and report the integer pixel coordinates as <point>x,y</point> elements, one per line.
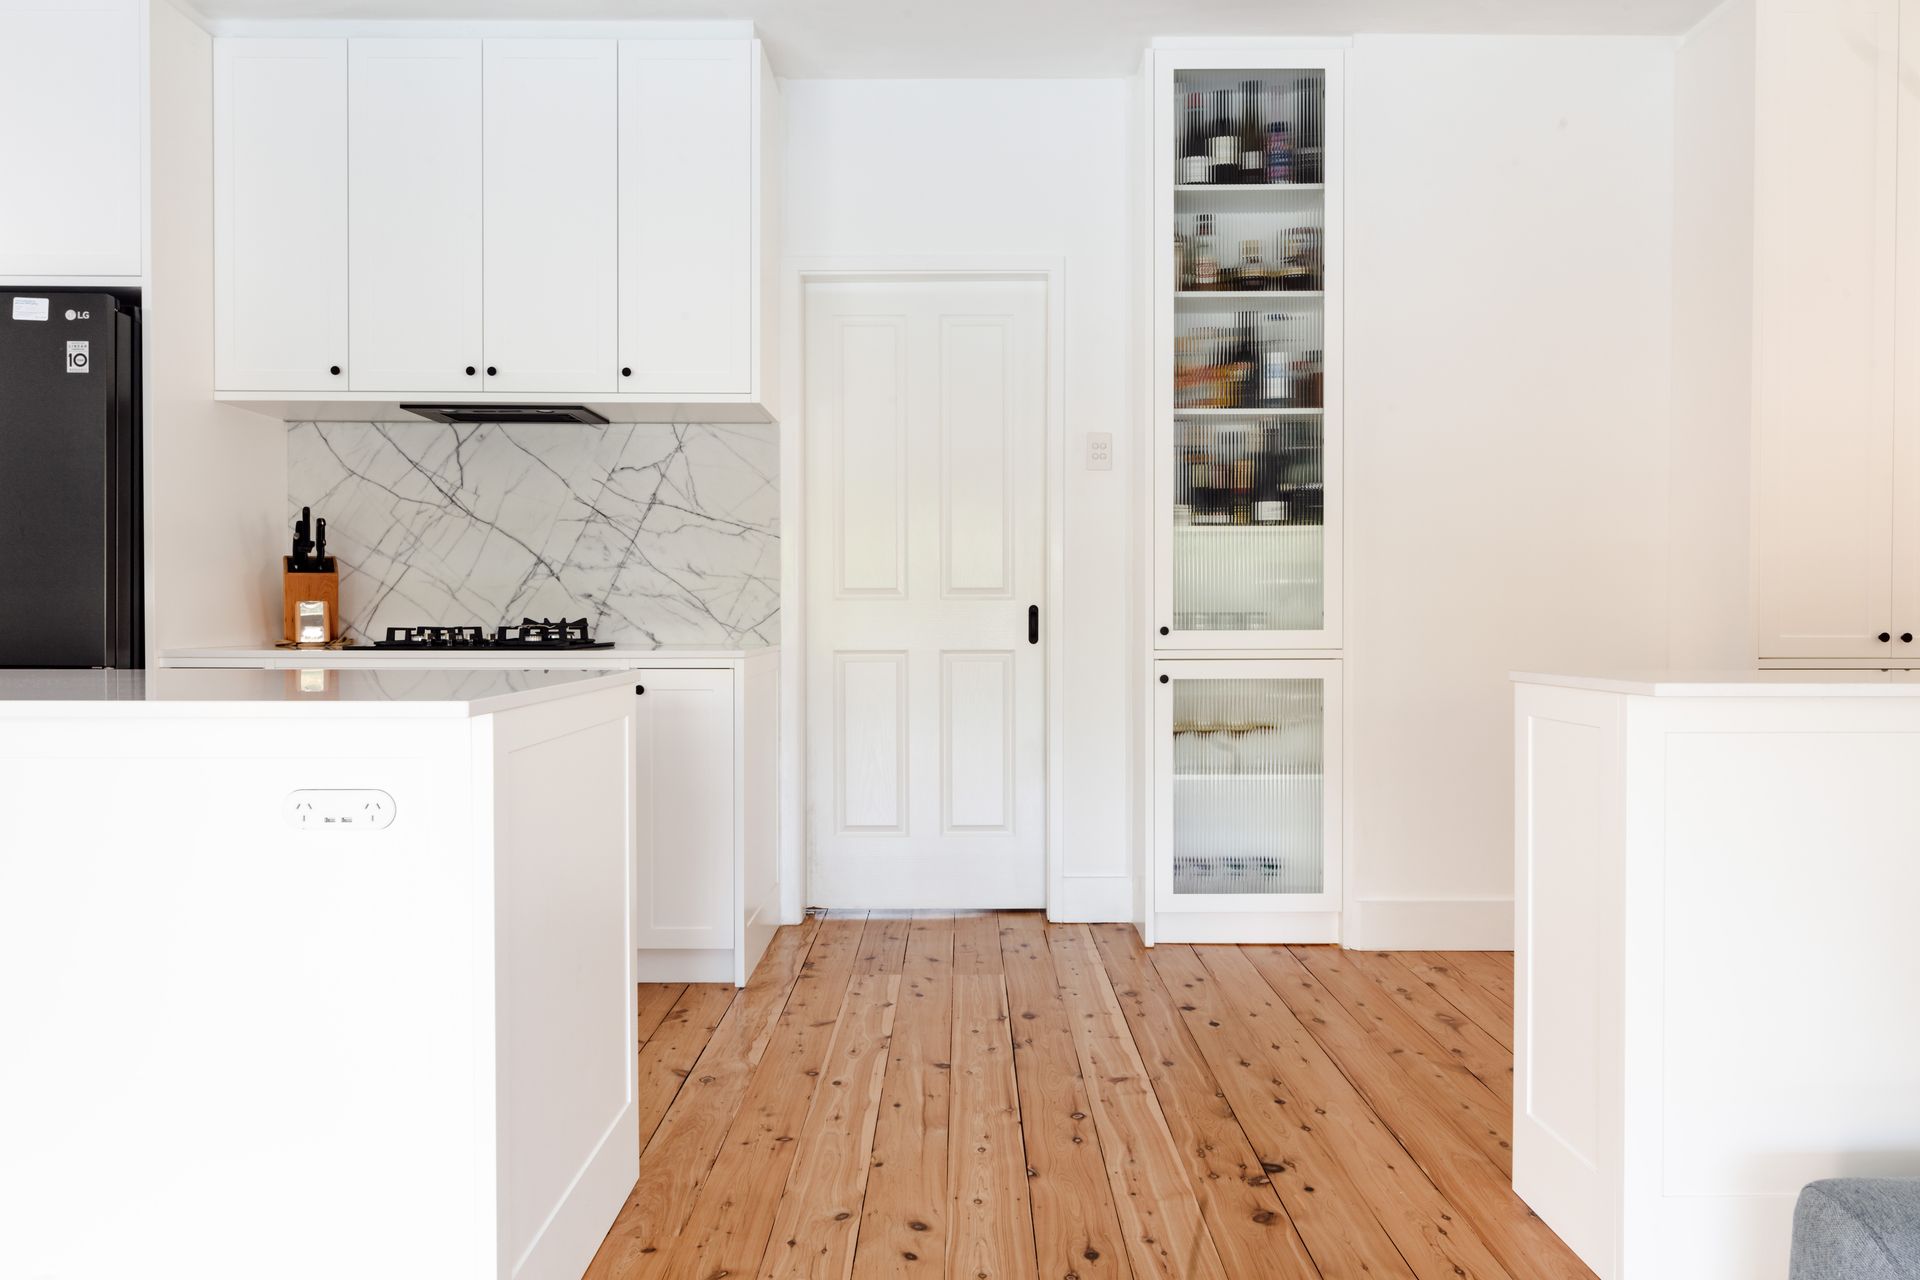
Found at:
<point>1885,636</point>
<point>1033,624</point>
<point>1906,637</point>
<point>639,688</point>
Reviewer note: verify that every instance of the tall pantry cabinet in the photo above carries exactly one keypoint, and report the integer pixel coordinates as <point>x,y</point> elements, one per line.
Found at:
<point>1244,678</point>
<point>1836,334</point>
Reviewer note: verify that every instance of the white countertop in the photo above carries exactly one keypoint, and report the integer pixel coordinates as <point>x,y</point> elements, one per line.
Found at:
<point>239,692</point>
<point>620,657</point>
<point>1733,684</point>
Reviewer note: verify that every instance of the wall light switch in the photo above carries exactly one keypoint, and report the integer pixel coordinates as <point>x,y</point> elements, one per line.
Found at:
<point>339,810</point>
<point>1099,450</point>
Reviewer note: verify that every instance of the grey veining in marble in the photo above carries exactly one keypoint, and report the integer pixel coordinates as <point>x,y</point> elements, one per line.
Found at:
<point>657,534</point>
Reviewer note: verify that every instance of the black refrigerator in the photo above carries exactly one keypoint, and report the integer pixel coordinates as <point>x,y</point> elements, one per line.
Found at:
<point>70,544</point>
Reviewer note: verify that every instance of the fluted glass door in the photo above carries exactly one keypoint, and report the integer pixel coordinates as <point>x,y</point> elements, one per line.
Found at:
<point>1249,756</point>
<point>1249,474</point>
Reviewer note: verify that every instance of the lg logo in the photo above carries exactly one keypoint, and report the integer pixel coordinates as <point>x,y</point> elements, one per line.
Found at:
<point>78,315</point>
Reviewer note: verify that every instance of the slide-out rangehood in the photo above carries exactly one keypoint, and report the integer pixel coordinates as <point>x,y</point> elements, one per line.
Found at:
<point>509,413</point>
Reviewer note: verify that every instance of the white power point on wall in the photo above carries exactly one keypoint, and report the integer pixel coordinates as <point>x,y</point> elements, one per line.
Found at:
<point>342,810</point>
<point>1099,450</point>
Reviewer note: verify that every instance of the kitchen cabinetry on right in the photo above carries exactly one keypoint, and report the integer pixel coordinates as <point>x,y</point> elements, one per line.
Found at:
<point>1836,321</point>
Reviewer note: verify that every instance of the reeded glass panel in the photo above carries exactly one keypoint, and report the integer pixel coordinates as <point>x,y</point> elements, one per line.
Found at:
<point>1247,786</point>
<point>1249,502</point>
<point>1249,381</point>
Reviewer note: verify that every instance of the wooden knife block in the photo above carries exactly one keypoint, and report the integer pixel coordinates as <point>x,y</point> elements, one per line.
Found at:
<point>309,586</point>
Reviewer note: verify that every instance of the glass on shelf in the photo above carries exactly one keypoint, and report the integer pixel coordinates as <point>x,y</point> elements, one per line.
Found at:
<point>1248,757</point>
<point>1249,128</point>
<point>1249,506</point>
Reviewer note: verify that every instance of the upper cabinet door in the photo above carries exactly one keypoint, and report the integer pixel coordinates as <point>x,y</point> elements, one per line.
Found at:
<point>70,120</point>
<point>280,215</point>
<point>551,153</point>
<point>687,169</point>
<point>414,214</point>
<point>1824,300</point>
<point>1906,341</point>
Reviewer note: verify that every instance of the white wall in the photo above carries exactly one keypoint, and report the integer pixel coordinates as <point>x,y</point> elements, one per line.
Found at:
<point>1711,616</point>
<point>1509,229</point>
<point>1020,167</point>
<point>215,475</point>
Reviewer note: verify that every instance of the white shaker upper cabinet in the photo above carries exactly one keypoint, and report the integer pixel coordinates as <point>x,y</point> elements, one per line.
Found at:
<point>551,312</point>
<point>686,216</point>
<point>280,215</point>
<point>1824,172</point>
<point>70,118</point>
<point>414,214</point>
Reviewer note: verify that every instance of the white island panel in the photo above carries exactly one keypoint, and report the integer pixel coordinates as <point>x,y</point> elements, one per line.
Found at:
<point>1715,952</point>
<point>225,1026</point>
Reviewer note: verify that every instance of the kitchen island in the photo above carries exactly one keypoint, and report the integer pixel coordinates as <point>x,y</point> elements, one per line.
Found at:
<point>310,973</point>
<point>1716,882</point>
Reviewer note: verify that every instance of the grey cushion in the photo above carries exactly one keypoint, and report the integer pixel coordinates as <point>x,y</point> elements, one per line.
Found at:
<point>1857,1229</point>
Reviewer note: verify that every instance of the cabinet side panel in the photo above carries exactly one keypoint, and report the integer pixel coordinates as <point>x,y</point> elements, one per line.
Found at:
<point>562,811</point>
<point>1567,830</point>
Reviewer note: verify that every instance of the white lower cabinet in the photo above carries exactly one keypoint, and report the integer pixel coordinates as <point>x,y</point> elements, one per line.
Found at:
<point>684,836</point>
<point>1246,803</point>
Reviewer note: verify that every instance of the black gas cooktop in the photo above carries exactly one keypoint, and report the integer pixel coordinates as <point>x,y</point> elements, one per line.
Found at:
<point>544,635</point>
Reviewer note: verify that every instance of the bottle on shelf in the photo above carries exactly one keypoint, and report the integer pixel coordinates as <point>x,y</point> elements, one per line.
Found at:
<point>1193,142</point>
<point>1223,142</point>
<point>1279,152</point>
<point>1276,365</point>
<point>1252,273</point>
<point>1253,138</point>
<point>1299,265</point>
<point>1205,272</point>
<point>1270,502</point>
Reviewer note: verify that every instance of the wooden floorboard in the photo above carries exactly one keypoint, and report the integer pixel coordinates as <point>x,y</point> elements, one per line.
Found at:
<point>1436,969</point>
<point>979,1095</point>
<point>1075,1228</point>
<point>903,1219</point>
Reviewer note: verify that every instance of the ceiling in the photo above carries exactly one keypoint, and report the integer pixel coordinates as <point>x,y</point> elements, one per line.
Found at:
<point>866,39</point>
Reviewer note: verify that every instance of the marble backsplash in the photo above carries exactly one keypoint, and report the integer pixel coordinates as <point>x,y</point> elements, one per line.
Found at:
<point>656,534</point>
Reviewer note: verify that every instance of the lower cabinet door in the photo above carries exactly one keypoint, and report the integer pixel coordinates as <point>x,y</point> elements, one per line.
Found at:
<point>685,850</point>
<point>1246,785</point>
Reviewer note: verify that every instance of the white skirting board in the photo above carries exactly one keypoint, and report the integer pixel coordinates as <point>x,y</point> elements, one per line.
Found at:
<point>1092,900</point>
<point>1429,924</point>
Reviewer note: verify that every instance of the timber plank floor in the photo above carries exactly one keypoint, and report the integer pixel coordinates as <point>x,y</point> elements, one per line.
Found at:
<point>979,1095</point>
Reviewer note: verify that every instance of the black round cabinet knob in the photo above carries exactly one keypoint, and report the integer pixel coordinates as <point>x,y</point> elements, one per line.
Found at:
<point>1164,631</point>
<point>1885,636</point>
<point>1906,637</point>
<point>491,371</point>
<point>625,372</point>
<point>1164,679</point>
<point>471,371</point>
<point>334,370</point>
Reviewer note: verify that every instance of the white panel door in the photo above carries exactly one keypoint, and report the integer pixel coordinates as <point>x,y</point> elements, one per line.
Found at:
<point>280,215</point>
<point>551,164</point>
<point>926,536</point>
<point>1825,157</point>
<point>70,118</point>
<point>414,214</point>
<point>685,846</point>
<point>686,215</point>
